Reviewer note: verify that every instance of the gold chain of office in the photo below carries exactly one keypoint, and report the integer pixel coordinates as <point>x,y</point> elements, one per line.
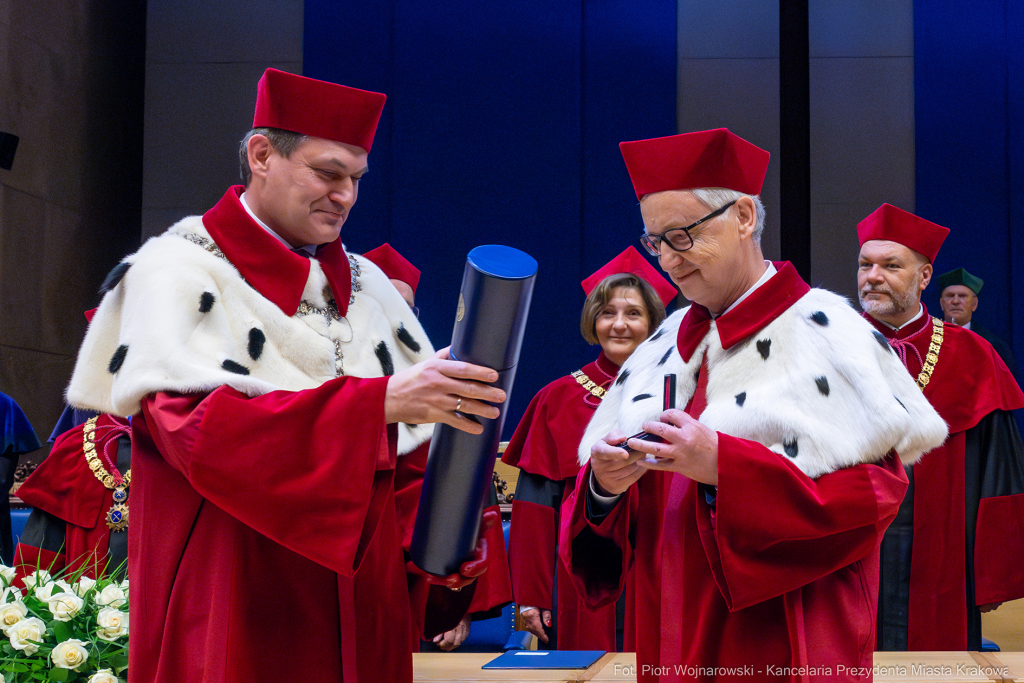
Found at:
<point>933,354</point>
<point>589,384</point>
<point>117,515</point>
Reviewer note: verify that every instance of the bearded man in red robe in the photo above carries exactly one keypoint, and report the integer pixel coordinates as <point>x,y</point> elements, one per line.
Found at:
<point>955,549</point>
<point>277,385</point>
<point>752,517</point>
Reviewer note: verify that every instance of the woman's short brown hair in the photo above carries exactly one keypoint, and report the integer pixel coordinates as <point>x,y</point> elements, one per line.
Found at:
<point>602,294</point>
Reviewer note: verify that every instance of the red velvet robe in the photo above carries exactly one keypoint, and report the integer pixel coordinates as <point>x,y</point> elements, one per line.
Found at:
<point>969,382</point>
<point>265,539</point>
<point>775,581</point>
<point>545,444</point>
<point>64,486</point>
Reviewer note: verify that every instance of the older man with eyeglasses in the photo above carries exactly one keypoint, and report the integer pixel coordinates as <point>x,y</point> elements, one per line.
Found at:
<point>752,512</point>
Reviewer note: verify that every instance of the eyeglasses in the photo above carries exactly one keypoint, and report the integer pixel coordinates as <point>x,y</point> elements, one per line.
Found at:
<point>681,240</point>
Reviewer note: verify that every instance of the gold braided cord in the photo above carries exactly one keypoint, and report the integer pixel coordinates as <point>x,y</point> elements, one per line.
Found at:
<point>932,356</point>
<point>589,384</point>
<point>95,464</point>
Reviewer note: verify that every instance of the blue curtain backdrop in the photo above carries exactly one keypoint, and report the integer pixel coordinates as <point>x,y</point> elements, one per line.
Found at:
<point>969,111</point>
<point>502,127</point>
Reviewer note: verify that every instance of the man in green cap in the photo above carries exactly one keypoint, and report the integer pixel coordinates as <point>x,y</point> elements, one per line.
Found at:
<point>959,300</point>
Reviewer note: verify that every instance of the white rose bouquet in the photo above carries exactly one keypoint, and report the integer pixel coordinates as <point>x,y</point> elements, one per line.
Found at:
<point>63,628</point>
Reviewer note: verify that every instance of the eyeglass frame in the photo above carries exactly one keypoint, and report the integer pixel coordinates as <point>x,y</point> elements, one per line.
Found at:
<point>654,248</point>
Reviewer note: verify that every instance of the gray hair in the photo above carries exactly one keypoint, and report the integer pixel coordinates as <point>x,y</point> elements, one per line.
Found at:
<point>717,197</point>
<point>284,143</point>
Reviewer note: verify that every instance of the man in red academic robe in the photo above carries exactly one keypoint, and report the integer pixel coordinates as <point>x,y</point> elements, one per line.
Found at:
<point>77,495</point>
<point>278,385</point>
<point>753,517</point>
<point>626,300</point>
<point>955,549</point>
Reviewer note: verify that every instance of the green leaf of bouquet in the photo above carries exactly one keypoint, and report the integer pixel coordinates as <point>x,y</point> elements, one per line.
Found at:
<point>61,631</point>
<point>118,661</point>
<point>59,674</point>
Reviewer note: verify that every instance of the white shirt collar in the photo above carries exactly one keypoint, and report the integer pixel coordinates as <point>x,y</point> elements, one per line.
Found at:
<point>769,271</point>
<point>920,312</point>
<point>310,249</point>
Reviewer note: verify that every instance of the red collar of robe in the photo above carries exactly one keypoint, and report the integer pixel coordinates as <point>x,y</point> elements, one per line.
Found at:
<point>548,435</point>
<point>601,372</point>
<point>266,263</point>
<point>968,366</point>
<point>765,304</point>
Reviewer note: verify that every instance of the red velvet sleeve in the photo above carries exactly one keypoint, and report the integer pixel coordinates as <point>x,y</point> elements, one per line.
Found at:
<point>494,586</point>
<point>544,447</point>
<point>409,471</point>
<point>598,556</point>
<point>999,549</point>
<point>532,551</point>
<point>298,467</point>
<point>533,535</point>
<point>776,529</point>
<point>533,447</point>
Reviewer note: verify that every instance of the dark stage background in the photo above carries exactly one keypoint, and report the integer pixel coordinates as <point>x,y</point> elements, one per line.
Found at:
<point>502,127</point>
<point>969,90</point>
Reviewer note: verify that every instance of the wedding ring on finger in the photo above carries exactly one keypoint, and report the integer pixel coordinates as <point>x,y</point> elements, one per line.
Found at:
<point>458,406</point>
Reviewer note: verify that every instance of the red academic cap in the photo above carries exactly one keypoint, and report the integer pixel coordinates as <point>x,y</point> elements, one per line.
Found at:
<point>317,108</point>
<point>708,158</point>
<point>394,265</point>
<point>630,261</point>
<point>896,225</point>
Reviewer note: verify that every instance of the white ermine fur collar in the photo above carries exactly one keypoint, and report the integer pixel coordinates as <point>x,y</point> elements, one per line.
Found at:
<point>817,385</point>
<point>181,318</point>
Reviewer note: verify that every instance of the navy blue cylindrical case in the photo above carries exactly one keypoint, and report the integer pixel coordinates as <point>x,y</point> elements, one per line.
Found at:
<point>494,302</point>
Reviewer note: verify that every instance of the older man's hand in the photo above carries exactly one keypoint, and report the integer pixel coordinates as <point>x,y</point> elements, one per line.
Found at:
<point>452,639</point>
<point>690,448</point>
<point>614,469</point>
<point>442,390</point>
<point>534,621</point>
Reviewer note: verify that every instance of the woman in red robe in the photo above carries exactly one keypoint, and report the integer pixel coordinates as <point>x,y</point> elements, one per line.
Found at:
<point>625,302</point>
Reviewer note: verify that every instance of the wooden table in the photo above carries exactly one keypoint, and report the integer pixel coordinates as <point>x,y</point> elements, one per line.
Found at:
<point>1014,661</point>
<point>890,667</point>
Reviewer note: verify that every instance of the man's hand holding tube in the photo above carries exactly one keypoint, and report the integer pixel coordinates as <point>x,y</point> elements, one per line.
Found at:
<point>443,390</point>
<point>468,570</point>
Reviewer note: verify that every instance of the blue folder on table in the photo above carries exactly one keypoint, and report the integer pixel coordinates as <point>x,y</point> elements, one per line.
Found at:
<point>545,659</point>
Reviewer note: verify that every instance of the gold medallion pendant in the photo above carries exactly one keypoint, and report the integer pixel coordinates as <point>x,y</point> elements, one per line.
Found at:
<point>117,515</point>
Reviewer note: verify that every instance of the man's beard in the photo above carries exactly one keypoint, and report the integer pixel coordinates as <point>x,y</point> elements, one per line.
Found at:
<point>897,303</point>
